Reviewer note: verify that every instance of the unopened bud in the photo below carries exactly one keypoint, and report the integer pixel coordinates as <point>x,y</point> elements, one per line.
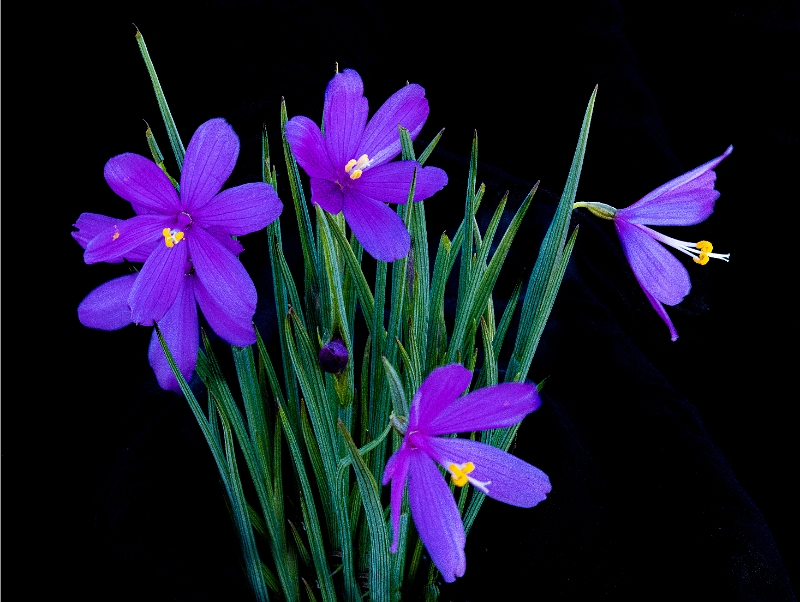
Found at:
<point>333,356</point>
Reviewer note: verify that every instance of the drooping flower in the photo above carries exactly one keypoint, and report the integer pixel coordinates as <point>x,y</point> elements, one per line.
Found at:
<point>333,356</point>
<point>350,167</point>
<point>687,200</point>
<point>189,233</point>
<point>438,410</point>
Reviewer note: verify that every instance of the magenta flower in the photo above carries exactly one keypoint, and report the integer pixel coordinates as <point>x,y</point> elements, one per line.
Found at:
<point>687,200</point>
<point>188,234</point>
<point>349,165</point>
<point>436,410</point>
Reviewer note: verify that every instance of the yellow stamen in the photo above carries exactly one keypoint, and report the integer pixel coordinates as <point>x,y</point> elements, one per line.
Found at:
<point>459,473</point>
<point>172,237</point>
<point>360,165</point>
<point>116,236</point>
<point>705,246</point>
<point>702,259</point>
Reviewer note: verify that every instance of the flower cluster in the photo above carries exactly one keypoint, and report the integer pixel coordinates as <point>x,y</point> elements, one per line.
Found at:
<point>185,241</point>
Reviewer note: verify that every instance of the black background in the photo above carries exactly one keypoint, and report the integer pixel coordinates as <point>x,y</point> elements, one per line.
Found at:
<point>673,464</point>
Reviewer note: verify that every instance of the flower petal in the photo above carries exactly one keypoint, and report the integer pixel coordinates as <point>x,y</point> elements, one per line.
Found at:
<point>209,161</point>
<point>106,307</point>
<point>237,330</point>
<point>390,183</point>
<point>345,115</point>
<point>397,472</point>
<point>379,229</point>
<point>493,407</point>
<point>662,313</point>
<point>658,271</point>
<point>128,238</point>
<point>436,516</point>
<point>242,209</point>
<point>439,390</point>
<point>141,182</point>
<point>407,107</point>
<point>686,200</point>
<point>308,147</point>
<point>181,334</point>
<point>92,224</point>
<point>158,283</point>
<point>327,195</point>
<point>222,276</point>
<point>505,478</point>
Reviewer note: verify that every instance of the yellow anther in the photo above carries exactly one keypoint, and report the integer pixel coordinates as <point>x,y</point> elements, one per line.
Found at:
<point>116,236</point>
<point>705,246</point>
<point>459,473</point>
<point>702,259</point>
<point>172,237</point>
<point>359,165</point>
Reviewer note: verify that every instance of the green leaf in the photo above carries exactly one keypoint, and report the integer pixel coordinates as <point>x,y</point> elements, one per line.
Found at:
<point>396,388</point>
<point>380,563</point>
<point>169,122</point>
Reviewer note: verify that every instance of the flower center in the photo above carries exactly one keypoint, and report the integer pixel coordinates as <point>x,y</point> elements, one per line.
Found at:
<point>356,167</point>
<point>699,252</point>
<point>459,472</point>
<point>172,236</point>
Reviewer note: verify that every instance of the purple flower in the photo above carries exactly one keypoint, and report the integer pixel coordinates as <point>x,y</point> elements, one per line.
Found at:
<point>436,410</point>
<point>686,200</point>
<point>333,356</point>
<point>349,165</point>
<point>188,234</point>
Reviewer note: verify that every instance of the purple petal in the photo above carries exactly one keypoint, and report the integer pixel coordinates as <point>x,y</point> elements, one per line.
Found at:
<point>494,407</point>
<point>440,389</point>
<point>658,271</point>
<point>237,330</point>
<point>686,200</point>
<point>327,195</point>
<point>505,478</point>
<point>308,147</point>
<point>241,210</point>
<point>106,307</point>
<point>662,313</point>
<point>140,181</point>
<point>128,238</point>
<point>390,183</point>
<point>379,229</point>
<point>436,516</point>
<point>222,276</point>
<point>397,472</point>
<point>234,246</point>
<point>181,334</point>
<point>407,107</point>
<point>158,283</point>
<point>345,115</point>
<point>210,158</point>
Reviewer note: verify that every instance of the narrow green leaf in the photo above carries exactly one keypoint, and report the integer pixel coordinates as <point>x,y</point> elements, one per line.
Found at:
<point>396,388</point>
<point>380,569</point>
<point>169,122</point>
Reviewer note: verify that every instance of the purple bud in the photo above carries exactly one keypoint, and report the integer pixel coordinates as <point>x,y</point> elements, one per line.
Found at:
<point>333,356</point>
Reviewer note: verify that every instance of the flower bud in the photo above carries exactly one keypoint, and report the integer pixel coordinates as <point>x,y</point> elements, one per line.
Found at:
<point>333,356</point>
